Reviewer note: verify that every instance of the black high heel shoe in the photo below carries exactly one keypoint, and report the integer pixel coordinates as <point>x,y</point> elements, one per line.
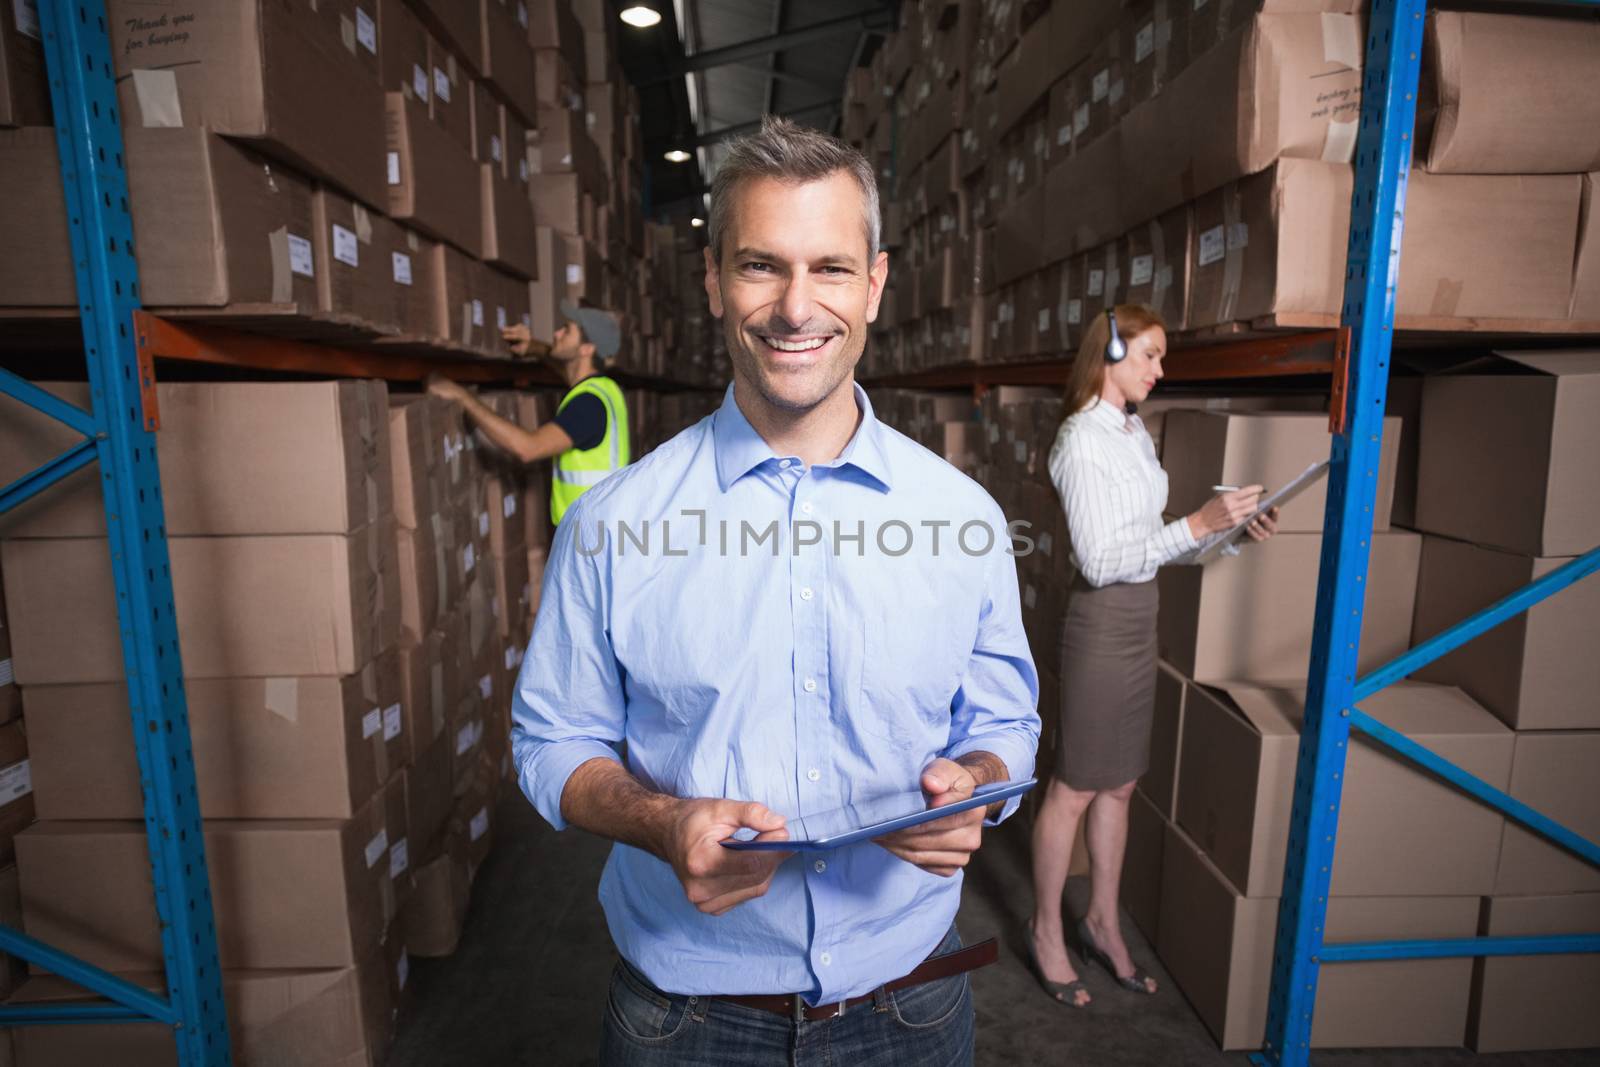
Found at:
<point>1061,992</point>
<point>1137,982</point>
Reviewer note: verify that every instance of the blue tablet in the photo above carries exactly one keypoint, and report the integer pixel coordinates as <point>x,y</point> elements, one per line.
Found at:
<point>873,818</point>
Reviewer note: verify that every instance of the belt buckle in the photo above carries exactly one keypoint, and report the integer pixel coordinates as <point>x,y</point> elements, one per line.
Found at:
<point>797,1008</point>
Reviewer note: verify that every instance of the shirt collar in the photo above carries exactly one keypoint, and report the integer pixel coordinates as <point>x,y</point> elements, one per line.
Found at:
<point>740,449</point>
<point>1104,413</point>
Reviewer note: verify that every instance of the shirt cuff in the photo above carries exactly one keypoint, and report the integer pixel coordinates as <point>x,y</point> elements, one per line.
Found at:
<point>1183,537</point>
<point>1016,755</point>
<point>544,774</point>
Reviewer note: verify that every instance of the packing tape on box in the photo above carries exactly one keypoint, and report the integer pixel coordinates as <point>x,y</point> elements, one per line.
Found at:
<point>1339,141</point>
<point>1446,297</point>
<point>369,685</point>
<point>363,224</point>
<point>372,499</point>
<point>436,688</point>
<point>1233,257</point>
<point>1341,39</point>
<point>282,697</point>
<point>282,272</point>
<point>347,33</point>
<point>1162,279</point>
<point>157,94</point>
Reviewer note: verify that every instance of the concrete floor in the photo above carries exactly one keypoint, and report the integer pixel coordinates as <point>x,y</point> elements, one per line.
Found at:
<point>528,983</point>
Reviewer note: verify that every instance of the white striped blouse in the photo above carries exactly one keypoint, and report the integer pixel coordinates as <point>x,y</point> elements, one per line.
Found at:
<point>1105,469</point>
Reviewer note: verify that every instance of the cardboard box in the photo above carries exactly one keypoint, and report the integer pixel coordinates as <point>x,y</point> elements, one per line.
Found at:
<point>264,748</point>
<point>558,202</point>
<point>555,80</point>
<point>437,911</point>
<point>321,1018</point>
<point>1218,947</point>
<point>1093,180</point>
<point>1537,670</point>
<point>1586,273</point>
<point>459,24</point>
<point>412,295</point>
<point>354,279</point>
<point>24,85</point>
<point>13,969</point>
<point>1250,616</point>
<point>450,106</point>
<point>16,787</point>
<point>423,694</point>
<point>434,185</point>
<point>1532,456</point>
<point>562,145</point>
<point>275,74</point>
<point>424,579</point>
<point>405,52</point>
<point>1141,865</point>
<point>1531,122</point>
<point>1402,832</point>
<point>504,56</point>
<point>1281,86</point>
<point>1552,772</point>
<point>417,484</point>
<point>1158,257</point>
<point>552,24</point>
<point>1160,781</point>
<point>430,794</point>
<point>214,222</point>
<point>513,598</point>
<point>508,231</point>
<point>316,454</point>
<point>61,602</point>
<point>1274,244</point>
<point>10,694</point>
<point>1257,448</point>
<point>1536,1002</point>
<point>287,894</point>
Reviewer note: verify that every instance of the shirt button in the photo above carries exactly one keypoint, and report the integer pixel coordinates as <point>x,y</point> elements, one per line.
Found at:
<point>819,866</point>
<point>826,958</point>
<point>805,594</point>
<point>811,685</point>
<point>813,775</point>
<point>806,507</point>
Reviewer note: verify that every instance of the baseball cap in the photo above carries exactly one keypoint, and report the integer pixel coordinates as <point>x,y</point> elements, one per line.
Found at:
<point>600,328</point>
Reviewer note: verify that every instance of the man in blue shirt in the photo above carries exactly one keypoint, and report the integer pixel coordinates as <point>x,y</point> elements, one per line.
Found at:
<point>786,609</point>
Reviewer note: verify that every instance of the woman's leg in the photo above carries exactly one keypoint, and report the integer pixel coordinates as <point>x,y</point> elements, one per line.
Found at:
<point>1107,838</point>
<point>1055,826</point>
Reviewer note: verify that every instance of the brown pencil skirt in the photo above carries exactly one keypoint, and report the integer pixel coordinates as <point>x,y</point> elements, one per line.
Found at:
<point>1108,685</point>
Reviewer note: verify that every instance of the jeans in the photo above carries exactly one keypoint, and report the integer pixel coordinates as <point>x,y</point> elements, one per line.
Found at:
<point>929,1025</point>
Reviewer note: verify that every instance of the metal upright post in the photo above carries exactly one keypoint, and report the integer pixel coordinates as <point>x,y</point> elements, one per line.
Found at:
<point>1383,159</point>
<point>83,92</point>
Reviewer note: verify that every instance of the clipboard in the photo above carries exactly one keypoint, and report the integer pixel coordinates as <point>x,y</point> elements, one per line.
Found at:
<point>1299,484</point>
<point>874,818</point>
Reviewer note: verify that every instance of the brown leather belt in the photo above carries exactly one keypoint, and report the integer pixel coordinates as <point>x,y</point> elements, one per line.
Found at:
<point>929,970</point>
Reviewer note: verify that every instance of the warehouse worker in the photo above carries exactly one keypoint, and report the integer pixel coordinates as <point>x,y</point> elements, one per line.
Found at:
<point>1114,491</point>
<point>589,435</point>
<point>751,684</point>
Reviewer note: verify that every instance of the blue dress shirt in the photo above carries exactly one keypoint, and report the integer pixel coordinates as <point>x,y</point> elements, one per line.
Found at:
<point>805,637</point>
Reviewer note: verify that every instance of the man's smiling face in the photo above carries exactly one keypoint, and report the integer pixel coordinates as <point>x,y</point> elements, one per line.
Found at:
<point>796,286</point>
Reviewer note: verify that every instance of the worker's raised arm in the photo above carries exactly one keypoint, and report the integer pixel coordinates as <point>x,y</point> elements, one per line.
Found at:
<point>528,446</point>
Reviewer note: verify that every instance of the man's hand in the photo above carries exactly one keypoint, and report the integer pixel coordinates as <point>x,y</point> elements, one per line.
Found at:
<point>943,846</point>
<point>445,389</point>
<point>517,337</point>
<point>714,878</point>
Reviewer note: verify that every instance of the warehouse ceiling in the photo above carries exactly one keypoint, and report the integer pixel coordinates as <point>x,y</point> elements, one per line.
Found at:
<point>712,68</point>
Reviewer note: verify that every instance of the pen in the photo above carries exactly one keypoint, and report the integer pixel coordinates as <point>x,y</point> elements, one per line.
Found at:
<point>1224,488</point>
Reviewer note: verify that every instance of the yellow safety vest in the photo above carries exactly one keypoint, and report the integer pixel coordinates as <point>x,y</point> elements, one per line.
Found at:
<point>579,468</point>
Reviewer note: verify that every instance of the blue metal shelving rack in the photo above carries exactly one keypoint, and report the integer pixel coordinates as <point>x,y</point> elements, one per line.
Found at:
<point>1383,159</point>
<point>118,432</point>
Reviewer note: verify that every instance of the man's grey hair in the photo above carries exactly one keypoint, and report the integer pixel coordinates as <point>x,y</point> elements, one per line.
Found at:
<point>791,153</point>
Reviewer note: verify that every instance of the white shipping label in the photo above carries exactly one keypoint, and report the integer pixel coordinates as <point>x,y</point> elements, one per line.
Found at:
<point>402,267</point>
<point>494,147</point>
<point>483,524</point>
<point>486,686</point>
<point>1144,268</point>
<point>1030,597</point>
<point>394,168</point>
<point>377,847</point>
<point>402,970</point>
<point>522,169</point>
<point>1144,42</point>
<point>441,84</point>
<point>522,14</point>
<point>300,259</point>
<point>511,657</point>
<point>393,722</point>
<point>399,859</point>
<point>508,506</point>
<point>1064,134</point>
<point>465,739</point>
<point>419,82</point>
<point>469,559</point>
<point>574,274</point>
<point>480,824</point>
<point>16,781</point>
<point>1212,246</point>
<point>1074,312</point>
<point>1097,282</point>
<point>500,317</point>
<point>371,722</point>
<point>27,12</point>
<point>477,313</point>
<point>1238,236</point>
<point>8,673</point>
<point>1101,87</point>
<point>1044,320</point>
<point>366,31</point>
<point>1020,448</point>
<point>1046,543</point>
<point>1080,119</point>
<point>346,249</point>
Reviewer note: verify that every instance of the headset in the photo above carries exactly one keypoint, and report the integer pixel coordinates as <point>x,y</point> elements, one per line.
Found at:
<point>1116,348</point>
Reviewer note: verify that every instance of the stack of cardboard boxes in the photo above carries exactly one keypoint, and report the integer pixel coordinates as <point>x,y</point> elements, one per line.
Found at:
<point>1042,161</point>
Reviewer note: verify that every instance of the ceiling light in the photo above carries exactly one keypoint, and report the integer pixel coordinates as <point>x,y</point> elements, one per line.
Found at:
<point>641,16</point>
<point>677,155</point>
<point>697,222</point>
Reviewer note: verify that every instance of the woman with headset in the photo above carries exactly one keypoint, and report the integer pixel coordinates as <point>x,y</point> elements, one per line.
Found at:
<point>1113,488</point>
